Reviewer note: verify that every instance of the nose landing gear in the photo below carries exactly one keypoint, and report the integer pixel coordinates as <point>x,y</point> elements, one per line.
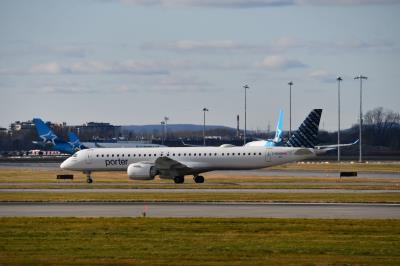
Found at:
<point>89,179</point>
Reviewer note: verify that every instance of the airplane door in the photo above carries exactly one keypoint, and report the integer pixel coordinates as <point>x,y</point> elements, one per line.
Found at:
<point>89,157</point>
<point>268,154</point>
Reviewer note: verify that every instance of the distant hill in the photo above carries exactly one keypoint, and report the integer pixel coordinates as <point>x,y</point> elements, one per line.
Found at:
<point>172,128</point>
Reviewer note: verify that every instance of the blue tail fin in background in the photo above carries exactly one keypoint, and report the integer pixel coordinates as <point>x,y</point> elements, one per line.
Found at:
<point>307,134</point>
<point>75,142</point>
<point>44,132</point>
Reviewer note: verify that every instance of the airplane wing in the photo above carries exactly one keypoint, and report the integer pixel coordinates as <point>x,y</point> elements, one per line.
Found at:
<point>170,167</point>
<point>335,146</point>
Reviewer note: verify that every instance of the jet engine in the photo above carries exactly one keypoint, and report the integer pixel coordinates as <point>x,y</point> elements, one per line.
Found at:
<point>142,171</point>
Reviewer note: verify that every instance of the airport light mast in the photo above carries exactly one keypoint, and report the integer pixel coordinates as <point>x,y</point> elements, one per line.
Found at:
<point>360,77</point>
<point>162,132</point>
<point>165,126</point>
<point>339,79</point>
<point>204,125</point>
<point>290,108</point>
<point>246,87</point>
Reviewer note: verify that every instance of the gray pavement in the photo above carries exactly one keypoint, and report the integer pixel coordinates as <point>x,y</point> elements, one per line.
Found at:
<point>259,172</point>
<point>191,191</point>
<point>229,210</point>
<point>133,183</point>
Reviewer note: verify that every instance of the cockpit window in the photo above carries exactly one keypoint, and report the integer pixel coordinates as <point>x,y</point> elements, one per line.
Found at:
<point>75,155</point>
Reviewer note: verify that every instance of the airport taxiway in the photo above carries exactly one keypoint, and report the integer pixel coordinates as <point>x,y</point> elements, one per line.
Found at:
<point>254,173</point>
<point>227,210</point>
<point>191,191</point>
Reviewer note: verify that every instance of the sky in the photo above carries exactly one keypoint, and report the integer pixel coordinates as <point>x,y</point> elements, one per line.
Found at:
<point>137,61</point>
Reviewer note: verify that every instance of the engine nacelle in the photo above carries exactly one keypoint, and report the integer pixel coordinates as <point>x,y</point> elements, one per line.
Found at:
<point>142,171</point>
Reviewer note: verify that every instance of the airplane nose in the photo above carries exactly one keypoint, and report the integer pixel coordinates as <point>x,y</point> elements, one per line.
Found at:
<point>65,164</point>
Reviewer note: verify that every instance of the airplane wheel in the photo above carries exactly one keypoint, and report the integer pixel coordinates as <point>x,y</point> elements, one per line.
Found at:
<point>179,179</point>
<point>89,180</point>
<point>199,179</point>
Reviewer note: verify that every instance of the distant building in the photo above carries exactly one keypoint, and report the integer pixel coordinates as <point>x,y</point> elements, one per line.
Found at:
<point>92,130</point>
<point>3,132</point>
<point>18,126</point>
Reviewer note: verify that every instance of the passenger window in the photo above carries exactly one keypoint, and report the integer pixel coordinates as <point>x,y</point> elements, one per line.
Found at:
<point>155,155</point>
<point>255,153</point>
<point>173,154</point>
<point>117,155</point>
<point>179,154</point>
<point>112,155</point>
<point>184,154</point>
<point>259,153</point>
<point>97,155</point>
<point>194,154</point>
<point>249,153</point>
<point>238,153</point>
<point>233,154</point>
<point>223,154</point>
<point>144,155</point>
<point>102,155</point>
<point>215,154</point>
<point>190,154</point>
<point>227,154</point>
<point>140,155</point>
<point>108,155</point>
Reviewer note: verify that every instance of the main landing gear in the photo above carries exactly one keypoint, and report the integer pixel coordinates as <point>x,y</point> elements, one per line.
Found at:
<point>198,179</point>
<point>179,179</point>
<point>89,179</point>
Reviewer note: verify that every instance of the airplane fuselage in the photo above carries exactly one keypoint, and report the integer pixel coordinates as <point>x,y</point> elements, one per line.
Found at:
<point>200,159</point>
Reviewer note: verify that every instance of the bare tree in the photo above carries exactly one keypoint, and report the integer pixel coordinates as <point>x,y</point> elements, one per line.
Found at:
<point>381,127</point>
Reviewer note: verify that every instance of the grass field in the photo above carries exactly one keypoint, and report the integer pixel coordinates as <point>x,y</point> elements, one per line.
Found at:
<point>26,178</point>
<point>202,197</point>
<point>200,241</point>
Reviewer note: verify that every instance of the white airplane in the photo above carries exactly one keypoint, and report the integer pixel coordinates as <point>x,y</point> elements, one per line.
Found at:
<point>176,162</point>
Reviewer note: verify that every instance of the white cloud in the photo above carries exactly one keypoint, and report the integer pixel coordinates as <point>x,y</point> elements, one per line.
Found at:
<point>192,45</point>
<point>134,67</point>
<point>278,62</point>
<point>278,45</point>
<point>46,68</point>
<point>92,67</point>
<point>210,3</point>
<point>322,75</point>
<point>252,3</point>
<point>167,84</point>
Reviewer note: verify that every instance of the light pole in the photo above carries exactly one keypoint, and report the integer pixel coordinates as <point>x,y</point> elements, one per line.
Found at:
<point>204,125</point>
<point>165,126</point>
<point>162,132</point>
<point>360,77</point>
<point>290,108</point>
<point>246,87</point>
<point>339,79</point>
